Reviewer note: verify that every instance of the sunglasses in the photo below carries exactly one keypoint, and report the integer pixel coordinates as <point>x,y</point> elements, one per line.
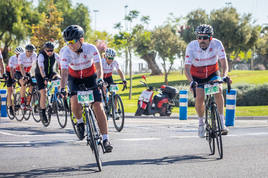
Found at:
<point>203,37</point>
<point>110,58</point>
<point>71,41</point>
<point>49,50</point>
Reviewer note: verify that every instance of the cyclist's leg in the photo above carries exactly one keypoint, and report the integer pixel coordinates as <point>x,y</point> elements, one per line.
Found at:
<point>9,90</point>
<point>23,89</point>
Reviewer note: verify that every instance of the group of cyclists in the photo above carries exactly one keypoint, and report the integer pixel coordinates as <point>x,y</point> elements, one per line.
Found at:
<point>82,63</point>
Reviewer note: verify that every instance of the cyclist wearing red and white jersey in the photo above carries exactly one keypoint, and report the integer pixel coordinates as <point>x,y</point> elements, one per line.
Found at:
<point>11,68</point>
<point>108,64</point>
<point>80,64</point>
<point>201,65</point>
<point>25,61</point>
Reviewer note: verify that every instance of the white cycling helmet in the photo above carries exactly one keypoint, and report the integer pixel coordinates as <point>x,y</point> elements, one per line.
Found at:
<point>19,50</point>
<point>110,53</point>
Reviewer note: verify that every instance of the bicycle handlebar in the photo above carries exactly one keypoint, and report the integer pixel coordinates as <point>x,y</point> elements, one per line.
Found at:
<point>121,83</point>
<point>213,82</point>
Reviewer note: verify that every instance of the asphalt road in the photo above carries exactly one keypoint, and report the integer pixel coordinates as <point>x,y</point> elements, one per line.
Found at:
<point>144,148</point>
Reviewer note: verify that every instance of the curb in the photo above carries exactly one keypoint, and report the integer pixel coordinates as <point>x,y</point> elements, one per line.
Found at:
<point>132,116</point>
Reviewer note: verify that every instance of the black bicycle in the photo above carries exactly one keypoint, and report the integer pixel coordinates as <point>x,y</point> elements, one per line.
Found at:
<point>94,140</point>
<point>113,105</point>
<point>212,119</point>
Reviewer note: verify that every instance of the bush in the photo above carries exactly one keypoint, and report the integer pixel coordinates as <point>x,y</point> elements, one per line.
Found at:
<point>247,95</point>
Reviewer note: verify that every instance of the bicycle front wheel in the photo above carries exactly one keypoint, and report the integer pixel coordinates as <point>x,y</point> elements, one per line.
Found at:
<point>35,103</point>
<point>218,132</point>
<point>18,112</point>
<point>92,137</point>
<point>61,111</point>
<point>118,113</point>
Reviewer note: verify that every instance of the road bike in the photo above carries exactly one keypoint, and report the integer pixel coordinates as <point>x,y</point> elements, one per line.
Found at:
<point>212,118</point>
<point>113,105</point>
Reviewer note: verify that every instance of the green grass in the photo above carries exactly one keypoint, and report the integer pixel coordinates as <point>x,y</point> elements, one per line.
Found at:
<point>176,78</point>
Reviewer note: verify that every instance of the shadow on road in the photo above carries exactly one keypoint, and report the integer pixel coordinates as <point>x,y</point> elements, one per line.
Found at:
<point>163,161</point>
<point>55,172</point>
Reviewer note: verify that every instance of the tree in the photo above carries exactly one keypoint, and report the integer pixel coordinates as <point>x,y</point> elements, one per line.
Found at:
<point>168,45</point>
<point>144,48</point>
<point>193,19</point>
<point>235,32</point>
<point>78,15</point>
<point>49,28</point>
<point>16,18</point>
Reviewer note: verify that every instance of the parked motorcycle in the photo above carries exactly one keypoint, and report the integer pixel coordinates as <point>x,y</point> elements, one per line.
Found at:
<point>162,103</point>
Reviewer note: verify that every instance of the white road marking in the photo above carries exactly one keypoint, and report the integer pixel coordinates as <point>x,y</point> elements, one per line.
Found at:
<point>139,139</point>
<point>29,135</point>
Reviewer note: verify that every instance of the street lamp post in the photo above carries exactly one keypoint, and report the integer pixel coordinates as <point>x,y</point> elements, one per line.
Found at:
<point>95,12</point>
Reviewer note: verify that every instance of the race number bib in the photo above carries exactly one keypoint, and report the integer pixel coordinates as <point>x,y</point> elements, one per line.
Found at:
<point>212,89</point>
<point>85,97</point>
<point>114,88</point>
<point>55,83</point>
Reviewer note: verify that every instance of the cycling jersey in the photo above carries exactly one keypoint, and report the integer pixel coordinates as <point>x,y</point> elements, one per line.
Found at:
<point>12,63</point>
<point>108,68</point>
<point>80,65</point>
<point>204,62</point>
<point>27,62</point>
<point>46,62</point>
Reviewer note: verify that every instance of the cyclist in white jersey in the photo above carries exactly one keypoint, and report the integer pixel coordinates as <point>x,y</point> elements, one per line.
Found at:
<point>25,61</point>
<point>11,68</point>
<point>80,64</point>
<point>201,65</point>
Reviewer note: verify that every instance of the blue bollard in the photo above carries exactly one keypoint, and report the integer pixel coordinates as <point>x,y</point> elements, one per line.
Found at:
<point>3,94</point>
<point>230,108</point>
<point>183,104</point>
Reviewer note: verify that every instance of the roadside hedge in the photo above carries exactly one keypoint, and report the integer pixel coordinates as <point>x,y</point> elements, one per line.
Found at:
<point>247,95</point>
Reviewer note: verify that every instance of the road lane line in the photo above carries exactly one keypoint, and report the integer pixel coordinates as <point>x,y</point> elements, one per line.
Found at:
<point>139,139</point>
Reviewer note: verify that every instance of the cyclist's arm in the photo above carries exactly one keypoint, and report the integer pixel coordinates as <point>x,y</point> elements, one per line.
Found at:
<point>99,69</point>
<point>188,72</point>
<point>64,77</point>
<point>41,65</point>
<point>224,67</point>
<point>22,70</point>
<point>121,74</point>
<point>1,66</point>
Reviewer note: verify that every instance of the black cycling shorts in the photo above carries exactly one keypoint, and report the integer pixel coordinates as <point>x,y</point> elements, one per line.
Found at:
<point>9,80</point>
<point>109,80</point>
<point>40,81</point>
<point>213,76</point>
<point>73,84</point>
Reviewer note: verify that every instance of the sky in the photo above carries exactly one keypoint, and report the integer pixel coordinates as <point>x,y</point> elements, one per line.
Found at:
<point>111,12</point>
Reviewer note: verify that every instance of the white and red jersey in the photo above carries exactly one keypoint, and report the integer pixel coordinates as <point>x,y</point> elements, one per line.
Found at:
<point>80,65</point>
<point>108,68</point>
<point>13,64</point>
<point>27,62</point>
<point>204,62</point>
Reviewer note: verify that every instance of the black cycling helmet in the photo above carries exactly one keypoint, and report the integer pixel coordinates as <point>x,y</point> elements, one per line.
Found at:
<point>30,47</point>
<point>73,32</point>
<point>49,45</point>
<point>204,29</point>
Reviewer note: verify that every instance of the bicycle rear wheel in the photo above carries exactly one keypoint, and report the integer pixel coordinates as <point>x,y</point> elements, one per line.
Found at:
<point>218,132</point>
<point>118,113</point>
<point>61,111</point>
<point>92,137</point>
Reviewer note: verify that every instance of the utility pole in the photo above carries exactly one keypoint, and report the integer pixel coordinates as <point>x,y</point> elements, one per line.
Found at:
<point>95,12</point>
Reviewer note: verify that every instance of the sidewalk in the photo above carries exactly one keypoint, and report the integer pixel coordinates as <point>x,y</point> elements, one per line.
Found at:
<point>176,116</point>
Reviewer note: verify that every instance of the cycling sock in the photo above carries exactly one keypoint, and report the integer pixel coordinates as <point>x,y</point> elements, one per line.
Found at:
<point>80,121</point>
<point>201,119</point>
<point>222,120</point>
<point>105,136</point>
